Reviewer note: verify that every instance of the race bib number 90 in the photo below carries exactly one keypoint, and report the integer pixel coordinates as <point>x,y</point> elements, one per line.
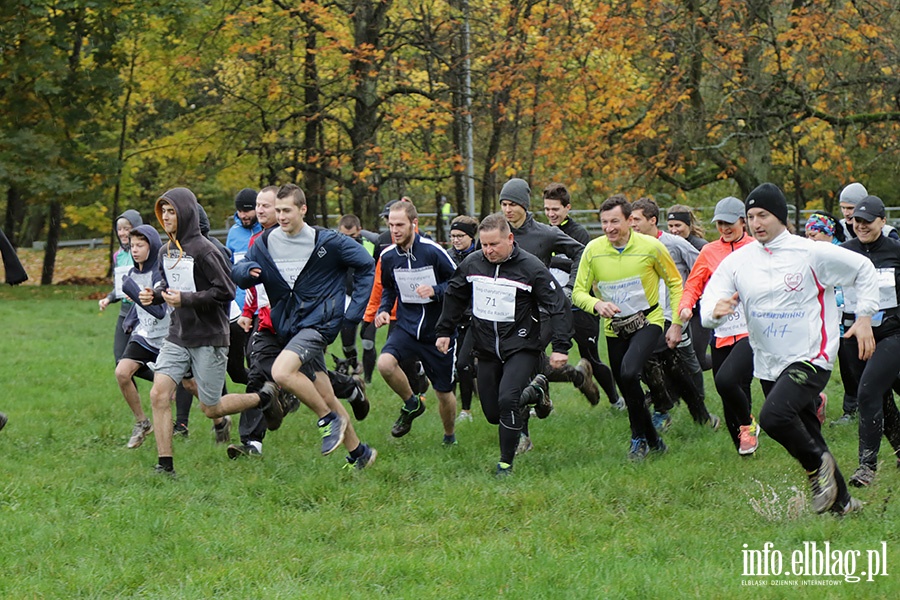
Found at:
<point>408,280</point>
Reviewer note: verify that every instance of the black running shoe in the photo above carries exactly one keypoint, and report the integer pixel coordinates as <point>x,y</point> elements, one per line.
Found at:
<point>404,422</point>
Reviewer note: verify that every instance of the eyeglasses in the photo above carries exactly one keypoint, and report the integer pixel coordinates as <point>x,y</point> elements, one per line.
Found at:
<point>457,236</point>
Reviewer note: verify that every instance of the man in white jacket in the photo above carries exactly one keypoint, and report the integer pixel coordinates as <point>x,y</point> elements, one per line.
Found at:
<point>786,284</point>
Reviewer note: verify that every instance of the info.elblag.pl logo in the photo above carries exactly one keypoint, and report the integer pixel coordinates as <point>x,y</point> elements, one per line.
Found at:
<point>815,563</point>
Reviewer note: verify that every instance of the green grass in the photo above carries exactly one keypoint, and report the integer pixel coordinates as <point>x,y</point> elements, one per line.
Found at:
<point>83,517</point>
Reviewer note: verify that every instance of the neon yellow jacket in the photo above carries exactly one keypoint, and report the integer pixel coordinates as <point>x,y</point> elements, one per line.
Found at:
<point>629,279</point>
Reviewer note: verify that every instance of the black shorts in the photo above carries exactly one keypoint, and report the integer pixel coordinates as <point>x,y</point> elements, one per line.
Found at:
<point>138,353</point>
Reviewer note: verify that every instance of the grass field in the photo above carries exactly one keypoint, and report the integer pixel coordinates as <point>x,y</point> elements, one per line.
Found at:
<point>85,518</point>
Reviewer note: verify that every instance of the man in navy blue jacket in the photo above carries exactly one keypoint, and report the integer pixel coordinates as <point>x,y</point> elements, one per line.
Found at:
<point>303,269</point>
<point>415,272</point>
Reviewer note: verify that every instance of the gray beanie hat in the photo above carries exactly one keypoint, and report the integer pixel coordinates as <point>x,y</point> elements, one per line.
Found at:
<point>517,190</point>
<point>853,193</point>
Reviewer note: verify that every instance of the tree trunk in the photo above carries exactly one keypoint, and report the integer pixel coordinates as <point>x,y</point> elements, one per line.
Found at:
<point>54,226</point>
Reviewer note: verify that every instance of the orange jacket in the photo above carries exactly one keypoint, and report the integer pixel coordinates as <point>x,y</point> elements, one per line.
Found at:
<point>375,298</point>
<point>710,256</point>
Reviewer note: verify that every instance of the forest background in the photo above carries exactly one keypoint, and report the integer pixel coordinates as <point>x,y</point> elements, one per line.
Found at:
<point>104,104</point>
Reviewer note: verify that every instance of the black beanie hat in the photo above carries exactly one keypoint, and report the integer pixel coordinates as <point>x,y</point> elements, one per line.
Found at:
<point>466,228</point>
<point>245,200</point>
<point>768,197</point>
<point>517,190</point>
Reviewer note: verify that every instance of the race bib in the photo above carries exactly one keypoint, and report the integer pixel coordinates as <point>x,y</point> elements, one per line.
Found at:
<point>494,302</point>
<point>561,277</point>
<point>290,270</point>
<point>180,273</point>
<point>238,257</point>
<point>150,327</point>
<point>735,325</point>
<point>119,274</point>
<point>781,331</point>
<point>627,294</point>
<point>410,279</point>
<point>887,288</point>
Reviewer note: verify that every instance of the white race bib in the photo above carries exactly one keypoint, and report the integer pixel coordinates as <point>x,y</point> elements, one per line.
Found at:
<point>494,302</point>
<point>180,273</point>
<point>410,279</point>
<point>561,277</point>
<point>781,331</point>
<point>119,274</point>
<point>150,327</point>
<point>735,325</point>
<point>238,257</point>
<point>627,294</point>
<point>887,288</point>
<point>290,270</point>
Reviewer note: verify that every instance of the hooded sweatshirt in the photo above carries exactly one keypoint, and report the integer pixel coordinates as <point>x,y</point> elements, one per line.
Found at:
<point>122,261</point>
<point>190,263</point>
<point>149,324</point>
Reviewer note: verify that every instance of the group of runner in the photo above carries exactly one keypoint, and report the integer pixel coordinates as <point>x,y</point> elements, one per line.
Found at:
<point>484,313</point>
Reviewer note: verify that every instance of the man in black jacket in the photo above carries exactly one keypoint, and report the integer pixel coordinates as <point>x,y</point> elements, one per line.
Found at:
<point>510,292</point>
<point>557,203</point>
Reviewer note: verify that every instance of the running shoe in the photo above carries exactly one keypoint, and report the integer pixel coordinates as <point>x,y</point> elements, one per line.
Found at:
<point>820,407</point>
<point>853,505</point>
<point>367,458</point>
<point>180,429</point>
<point>714,422</point>
<point>748,438</point>
<point>639,449</point>
<point>823,484</point>
<point>3,420</point>
<point>332,434</point>
<point>361,404</point>
<point>223,431</point>
<point>863,477</point>
<point>661,421</point>
<point>237,451</point>
<point>525,445</point>
<point>404,422</point>
<point>660,447</point>
<point>503,470</point>
<point>270,405</point>
<point>464,415</point>
<point>158,469</point>
<point>845,419</point>
<point>537,393</point>
<point>587,385</point>
<point>618,404</point>
<point>139,432</point>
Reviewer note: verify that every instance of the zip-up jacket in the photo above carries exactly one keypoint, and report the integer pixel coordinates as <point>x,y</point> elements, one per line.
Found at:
<point>202,318</point>
<point>238,241</point>
<point>629,279</point>
<point>543,241</point>
<point>477,280</point>
<point>416,319</point>
<point>786,288</point>
<point>316,301</point>
<point>885,256</point>
<point>710,256</point>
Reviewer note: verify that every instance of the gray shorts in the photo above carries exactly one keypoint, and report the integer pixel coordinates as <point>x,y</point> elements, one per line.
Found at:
<point>206,363</point>
<point>310,346</point>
